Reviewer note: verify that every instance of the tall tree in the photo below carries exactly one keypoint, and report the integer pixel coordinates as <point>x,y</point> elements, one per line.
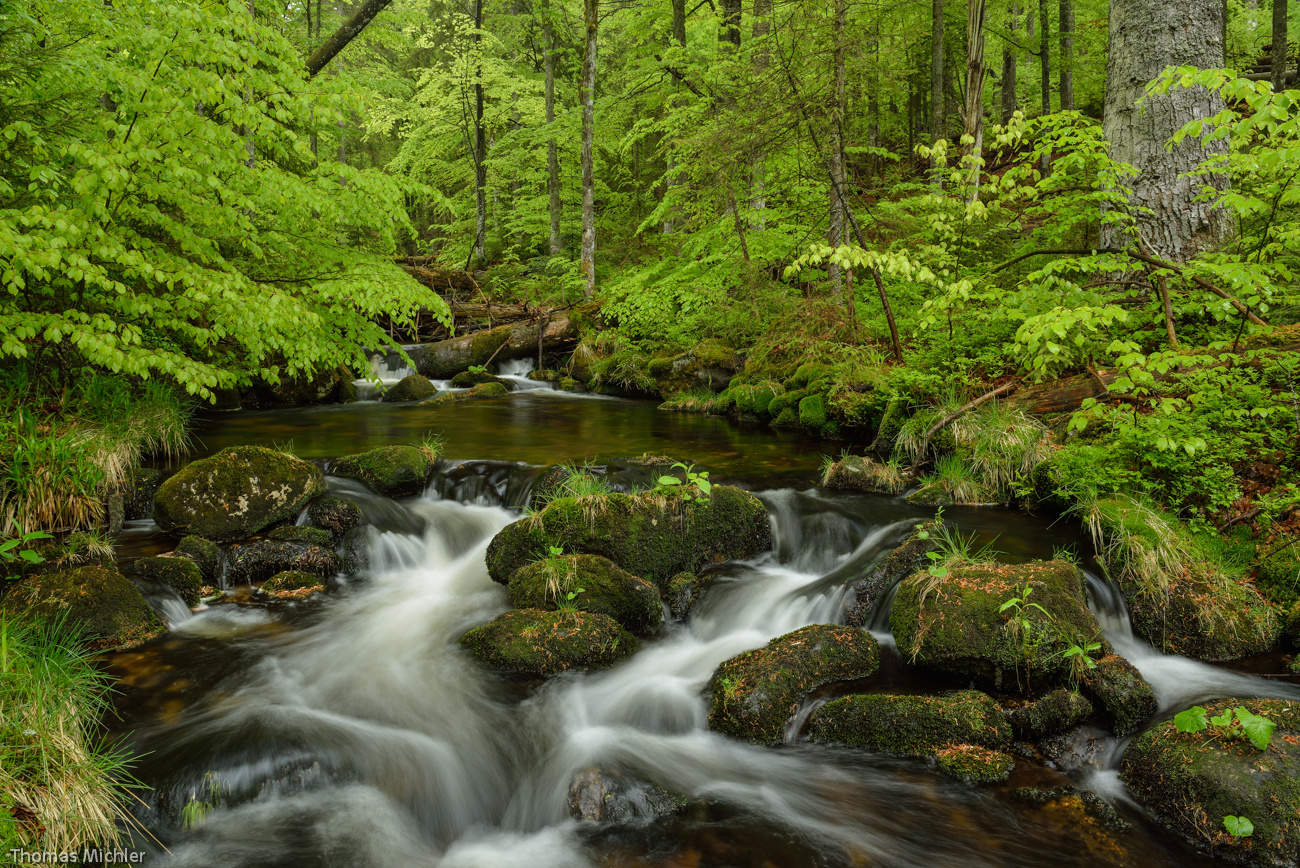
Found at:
<point>729,31</point>
<point>835,235</point>
<point>936,81</point>
<point>1009,50</point>
<point>1065,28</point>
<point>340,38</point>
<point>480,141</point>
<point>974,108</point>
<point>587,265</point>
<point>1279,44</point>
<point>556,245</point>
<point>1145,37</point>
<point>1045,58</point>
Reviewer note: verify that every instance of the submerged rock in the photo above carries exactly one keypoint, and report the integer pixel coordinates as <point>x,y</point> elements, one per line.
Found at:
<point>863,473</point>
<point>1054,713</point>
<point>1191,781</point>
<point>606,590</point>
<point>1088,806</point>
<point>486,390</point>
<point>236,493</point>
<point>205,554</point>
<point>755,694</point>
<point>181,574</point>
<point>101,602</point>
<point>604,796</point>
<point>393,471</point>
<point>1121,693</point>
<point>300,533</point>
<point>255,562</point>
<point>908,558</point>
<point>333,514</point>
<point>973,764</point>
<point>650,535</point>
<point>911,725</point>
<point>683,591</point>
<point>412,388</point>
<point>953,623</point>
<point>541,644</point>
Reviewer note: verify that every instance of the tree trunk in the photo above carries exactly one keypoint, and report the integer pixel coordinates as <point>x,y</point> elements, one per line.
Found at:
<point>1009,102</point>
<point>1279,45</point>
<point>835,235</point>
<point>1065,28</point>
<point>480,142</point>
<point>873,97</point>
<point>936,83</point>
<point>974,125</point>
<point>591,19</point>
<point>552,150</point>
<point>1045,57</point>
<point>758,168</point>
<point>670,172</point>
<point>1145,37</point>
<point>729,27</point>
<point>444,359</point>
<point>340,38</point>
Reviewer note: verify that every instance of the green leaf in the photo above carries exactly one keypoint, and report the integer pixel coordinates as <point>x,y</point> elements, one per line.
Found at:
<point>1238,827</point>
<point>1222,719</point>
<point>669,480</point>
<point>1191,720</point>
<point>1258,729</point>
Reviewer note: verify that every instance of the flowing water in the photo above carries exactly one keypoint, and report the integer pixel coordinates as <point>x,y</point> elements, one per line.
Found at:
<point>351,730</point>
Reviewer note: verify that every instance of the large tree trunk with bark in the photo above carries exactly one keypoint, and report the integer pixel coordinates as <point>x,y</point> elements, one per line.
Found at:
<point>1145,37</point>
<point>835,156</point>
<point>587,265</point>
<point>758,168</point>
<point>444,359</point>
<point>552,150</point>
<point>1066,28</point>
<point>974,109</point>
<point>1009,102</point>
<point>1279,44</point>
<point>936,82</point>
<point>729,30</point>
<point>480,142</point>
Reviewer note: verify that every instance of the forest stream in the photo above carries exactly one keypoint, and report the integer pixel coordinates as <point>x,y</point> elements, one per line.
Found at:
<point>350,728</point>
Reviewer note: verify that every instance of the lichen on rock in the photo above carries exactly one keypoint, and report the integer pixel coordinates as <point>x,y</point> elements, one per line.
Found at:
<point>101,602</point>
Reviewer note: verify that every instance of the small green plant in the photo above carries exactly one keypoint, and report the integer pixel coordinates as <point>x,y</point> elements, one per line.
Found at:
<point>432,445</point>
<point>1082,654</point>
<point>1029,634</point>
<point>696,485</point>
<point>570,600</point>
<point>476,369</point>
<point>730,687</point>
<point>1238,827</point>
<point>1233,723</point>
<point>11,553</point>
<point>196,810</point>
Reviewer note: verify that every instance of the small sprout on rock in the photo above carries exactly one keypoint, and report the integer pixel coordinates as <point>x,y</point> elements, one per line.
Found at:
<point>1238,827</point>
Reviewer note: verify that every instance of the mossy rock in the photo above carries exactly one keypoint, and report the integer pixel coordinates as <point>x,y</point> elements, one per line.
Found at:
<point>1189,782</point>
<point>710,364</point>
<point>787,418</point>
<point>607,590</point>
<point>911,725</point>
<point>469,379</point>
<point>1080,810</point>
<point>393,471</point>
<point>812,412</point>
<point>308,387</point>
<point>903,561</point>
<point>1057,712</point>
<point>354,551</point>
<point>858,405</point>
<point>236,493</point>
<point>974,764</point>
<point>103,603</point>
<point>487,390</point>
<point>754,695</point>
<point>204,553</point>
<point>1291,627</point>
<point>649,535</point>
<point>683,591</point>
<point>141,486</point>
<point>755,399</point>
<point>179,573</point>
<point>569,384</point>
<point>333,514</point>
<point>891,423</point>
<point>412,388</point>
<point>539,643</point>
<point>863,473</point>
<point>300,533</point>
<point>546,484</point>
<point>291,580</point>
<point>255,562</point>
<point>1121,693</point>
<point>1278,574</point>
<point>347,390</point>
<point>786,401</point>
<point>953,624</point>
<point>1179,596</point>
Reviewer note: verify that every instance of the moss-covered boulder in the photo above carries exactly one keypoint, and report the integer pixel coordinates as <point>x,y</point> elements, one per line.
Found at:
<point>1120,693</point>
<point>102,602</point>
<point>292,585</point>
<point>1191,781</point>
<point>648,534</point>
<point>710,364</point>
<point>863,473</point>
<point>1291,625</point>
<point>1277,573</point>
<point>1180,596</point>
<point>539,643</point>
<point>911,725</point>
<point>487,390</point>
<point>683,591</point>
<point>754,695</point>
<point>1052,714</point>
<point>309,387</point>
<point>393,471</point>
<point>974,764</point>
<point>255,562</point>
<point>755,399</point>
<point>300,533</point>
<point>600,584</point>
<point>954,623</point>
<point>236,493</point>
<point>865,593</point>
<point>205,554</point>
<point>412,388</point>
<point>141,486</point>
<point>333,514</point>
<point>469,379</point>
<point>547,484</point>
<point>181,574</point>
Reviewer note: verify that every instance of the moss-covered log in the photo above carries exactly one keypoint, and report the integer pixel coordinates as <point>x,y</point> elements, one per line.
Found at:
<point>445,359</point>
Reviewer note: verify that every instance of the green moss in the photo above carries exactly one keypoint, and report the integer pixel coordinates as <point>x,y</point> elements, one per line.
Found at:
<point>485,344</point>
<point>301,533</point>
<point>862,473</point>
<point>1190,782</point>
<point>140,488</point>
<point>487,390</point>
<point>181,574</point>
<point>1057,712</point>
<point>608,590</point>
<point>236,493</point>
<point>754,694</point>
<point>649,535</point>
<point>710,364</point>
<point>911,725</point>
<point>103,602</point>
<point>542,644</point>
<point>393,471</point>
<point>786,401</point>
<point>204,552</point>
<point>255,562</point>
<point>467,379</point>
<point>1121,693</point>
<point>805,374</point>
<point>569,384</point>
<point>856,405</point>
<point>683,591</point>
<point>290,580</point>
<point>976,765</point>
<point>891,422</point>
<point>412,388</point>
<point>333,514</point>
<point>785,419</point>
<point>812,412</point>
<point>953,623</point>
<point>1278,574</point>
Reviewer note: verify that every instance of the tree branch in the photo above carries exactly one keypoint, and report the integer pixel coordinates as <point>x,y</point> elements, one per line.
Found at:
<point>339,39</point>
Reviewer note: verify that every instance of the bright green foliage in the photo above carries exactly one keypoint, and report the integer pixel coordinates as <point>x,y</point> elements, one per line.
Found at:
<point>1231,723</point>
<point>1238,827</point>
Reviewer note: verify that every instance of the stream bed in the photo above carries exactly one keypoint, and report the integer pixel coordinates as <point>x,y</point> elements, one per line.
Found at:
<point>350,729</point>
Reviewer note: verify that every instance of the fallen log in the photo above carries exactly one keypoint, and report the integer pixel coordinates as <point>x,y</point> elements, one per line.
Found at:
<point>444,359</point>
<point>442,280</point>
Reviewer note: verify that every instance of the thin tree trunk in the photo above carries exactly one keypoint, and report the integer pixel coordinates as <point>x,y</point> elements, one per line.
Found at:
<point>552,150</point>
<point>1065,28</point>
<point>873,96</point>
<point>974,126</point>
<point>936,84</point>
<point>591,20</point>
<point>480,141</point>
<point>835,235</point>
<point>1279,45</point>
<point>729,28</point>
<point>758,167</point>
<point>1009,102</point>
<point>1045,58</point>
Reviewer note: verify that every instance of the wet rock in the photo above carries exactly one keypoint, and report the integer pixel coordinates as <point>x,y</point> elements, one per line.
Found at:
<point>468,379</point>
<point>1121,693</point>
<point>541,644</point>
<point>863,473</point>
<point>709,364</point>
<point>1089,804</point>
<point>354,551</point>
<point>236,493</point>
<point>1190,781</point>
<point>547,483</point>
<point>486,390</point>
<point>900,563</point>
<point>952,623</point>
<point>255,562</point>
<point>1082,748</point>
<point>604,796</point>
<point>334,514</point>
<point>412,388</point>
<point>974,764</point>
<point>315,387</point>
<point>205,554</point>
<point>142,485</point>
<point>569,384</point>
<point>755,694</point>
<point>606,589</point>
<point>101,602</point>
<point>911,725</point>
<point>181,574</point>
<point>648,534</point>
<point>300,533</point>
<point>683,591</point>
<point>1054,713</point>
<point>393,471</point>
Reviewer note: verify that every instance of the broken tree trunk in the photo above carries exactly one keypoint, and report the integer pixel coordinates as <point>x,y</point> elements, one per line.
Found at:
<point>518,340</point>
